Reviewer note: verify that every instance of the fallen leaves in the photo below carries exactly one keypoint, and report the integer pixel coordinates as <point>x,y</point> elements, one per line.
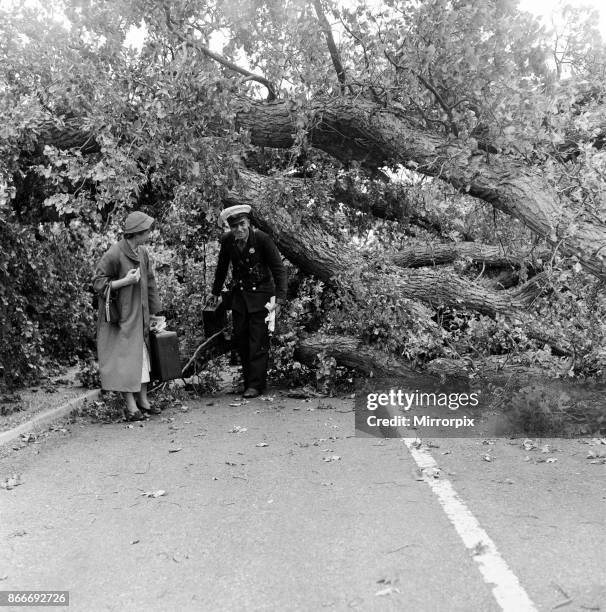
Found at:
<point>332,458</point>
<point>429,472</point>
<point>11,482</point>
<point>388,588</point>
<point>238,429</point>
<point>154,494</point>
<point>529,445</point>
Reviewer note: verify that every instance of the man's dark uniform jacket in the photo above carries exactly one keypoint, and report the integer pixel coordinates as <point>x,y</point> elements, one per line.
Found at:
<point>257,274</point>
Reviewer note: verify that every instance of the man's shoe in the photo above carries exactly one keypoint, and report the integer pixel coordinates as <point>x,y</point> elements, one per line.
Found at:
<point>250,393</point>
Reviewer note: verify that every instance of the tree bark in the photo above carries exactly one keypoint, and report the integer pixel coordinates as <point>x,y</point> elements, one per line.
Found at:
<point>436,254</point>
<point>361,130</point>
<point>352,353</point>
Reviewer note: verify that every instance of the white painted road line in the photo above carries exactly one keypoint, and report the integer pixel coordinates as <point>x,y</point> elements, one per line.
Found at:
<point>506,587</point>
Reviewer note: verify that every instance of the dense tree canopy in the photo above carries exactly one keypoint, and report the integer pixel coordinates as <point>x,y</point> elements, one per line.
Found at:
<point>434,172</point>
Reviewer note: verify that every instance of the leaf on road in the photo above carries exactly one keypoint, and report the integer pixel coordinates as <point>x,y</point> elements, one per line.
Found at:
<point>488,458</point>
<point>11,482</point>
<point>332,458</point>
<point>262,444</point>
<point>175,450</point>
<point>387,591</point>
<point>158,493</point>
<point>551,460</point>
<point>545,448</point>
<point>238,429</point>
<point>135,541</point>
<point>479,549</point>
<point>529,445</point>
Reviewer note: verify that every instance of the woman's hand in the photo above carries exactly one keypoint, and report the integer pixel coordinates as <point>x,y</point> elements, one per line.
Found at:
<point>132,276</point>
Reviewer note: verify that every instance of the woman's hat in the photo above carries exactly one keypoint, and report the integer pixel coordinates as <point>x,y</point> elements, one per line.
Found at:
<point>231,214</point>
<point>137,222</point>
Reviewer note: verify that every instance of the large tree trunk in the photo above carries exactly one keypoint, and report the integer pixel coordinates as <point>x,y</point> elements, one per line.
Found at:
<point>361,130</point>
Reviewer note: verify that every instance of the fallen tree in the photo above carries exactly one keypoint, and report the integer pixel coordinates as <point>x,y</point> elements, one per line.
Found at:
<point>374,136</point>
<point>316,252</point>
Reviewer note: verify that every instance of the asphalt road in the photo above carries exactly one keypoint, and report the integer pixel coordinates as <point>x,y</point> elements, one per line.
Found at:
<point>276,505</point>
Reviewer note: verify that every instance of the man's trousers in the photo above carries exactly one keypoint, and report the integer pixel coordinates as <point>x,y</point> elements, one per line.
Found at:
<point>251,340</point>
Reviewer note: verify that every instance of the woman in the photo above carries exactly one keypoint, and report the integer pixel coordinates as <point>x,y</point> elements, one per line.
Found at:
<point>123,347</point>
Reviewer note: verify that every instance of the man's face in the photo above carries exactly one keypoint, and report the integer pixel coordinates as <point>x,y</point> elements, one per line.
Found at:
<point>240,228</point>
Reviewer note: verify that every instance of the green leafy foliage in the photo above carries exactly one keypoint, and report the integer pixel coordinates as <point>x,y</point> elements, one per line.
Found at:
<point>45,310</point>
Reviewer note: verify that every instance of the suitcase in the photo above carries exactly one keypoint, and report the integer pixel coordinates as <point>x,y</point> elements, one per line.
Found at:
<point>165,360</point>
<point>214,319</point>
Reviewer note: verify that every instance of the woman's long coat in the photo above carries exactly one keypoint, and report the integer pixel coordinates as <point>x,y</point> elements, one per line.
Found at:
<point>120,345</point>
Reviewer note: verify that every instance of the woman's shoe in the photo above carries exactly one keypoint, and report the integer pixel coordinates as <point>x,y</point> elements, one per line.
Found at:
<point>151,409</point>
<point>135,415</point>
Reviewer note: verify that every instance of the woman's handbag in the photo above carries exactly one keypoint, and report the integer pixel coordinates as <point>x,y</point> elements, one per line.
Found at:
<point>112,314</point>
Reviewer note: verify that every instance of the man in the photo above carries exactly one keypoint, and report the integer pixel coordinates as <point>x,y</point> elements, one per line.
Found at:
<point>258,275</point>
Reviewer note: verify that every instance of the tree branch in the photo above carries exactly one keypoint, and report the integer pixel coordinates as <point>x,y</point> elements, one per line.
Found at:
<point>250,76</point>
<point>332,47</point>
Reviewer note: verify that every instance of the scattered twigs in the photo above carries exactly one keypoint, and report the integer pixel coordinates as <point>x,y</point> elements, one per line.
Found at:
<point>200,348</point>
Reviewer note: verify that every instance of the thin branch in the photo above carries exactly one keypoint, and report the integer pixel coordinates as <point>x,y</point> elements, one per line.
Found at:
<point>200,347</point>
<point>360,42</point>
<point>332,47</point>
<point>447,109</point>
<point>220,59</point>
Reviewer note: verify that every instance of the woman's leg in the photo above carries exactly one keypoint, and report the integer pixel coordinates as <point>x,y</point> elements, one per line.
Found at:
<point>142,397</point>
<point>131,410</point>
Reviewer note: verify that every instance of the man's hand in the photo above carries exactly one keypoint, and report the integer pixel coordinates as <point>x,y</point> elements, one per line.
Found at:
<point>214,300</point>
